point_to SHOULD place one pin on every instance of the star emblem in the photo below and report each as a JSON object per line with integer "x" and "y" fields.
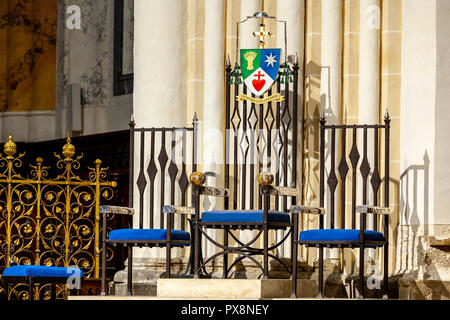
{"x": 270, "y": 60}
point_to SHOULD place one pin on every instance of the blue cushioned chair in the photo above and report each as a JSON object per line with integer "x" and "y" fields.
{"x": 32, "y": 274}
{"x": 167, "y": 238}
{"x": 333, "y": 236}
{"x": 258, "y": 138}
{"x": 260, "y": 220}
{"x": 346, "y": 235}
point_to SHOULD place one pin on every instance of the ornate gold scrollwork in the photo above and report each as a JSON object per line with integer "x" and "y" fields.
{"x": 53, "y": 222}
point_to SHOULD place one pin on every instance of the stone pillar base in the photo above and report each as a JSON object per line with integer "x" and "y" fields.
{"x": 351, "y": 283}
{"x": 139, "y": 289}
{"x": 145, "y": 273}
{"x": 409, "y": 289}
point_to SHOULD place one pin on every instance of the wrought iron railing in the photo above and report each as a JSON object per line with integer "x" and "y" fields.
{"x": 54, "y": 222}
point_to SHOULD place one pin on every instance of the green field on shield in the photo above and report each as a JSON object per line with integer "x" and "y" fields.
{"x": 244, "y": 62}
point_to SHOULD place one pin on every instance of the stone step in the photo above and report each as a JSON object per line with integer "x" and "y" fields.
{"x": 233, "y": 288}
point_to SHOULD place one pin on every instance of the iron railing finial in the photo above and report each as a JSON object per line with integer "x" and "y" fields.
{"x": 322, "y": 116}
{"x": 386, "y": 115}
{"x": 195, "y": 119}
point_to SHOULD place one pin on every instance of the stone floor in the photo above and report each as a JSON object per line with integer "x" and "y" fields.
{"x": 152, "y": 284}
{"x": 252, "y": 289}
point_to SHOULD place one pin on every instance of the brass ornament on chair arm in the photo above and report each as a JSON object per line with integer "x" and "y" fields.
{"x": 265, "y": 179}
{"x": 197, "y": 178}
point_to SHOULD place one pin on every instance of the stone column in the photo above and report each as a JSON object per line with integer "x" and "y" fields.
{"x": 330, "y": 84}
{"x": 331, "y": 73}
{"x": 442, "y": 115}
{"x": 160, "y": 60}
{"x": 160, "y": 57}
{"x": 248, "y": 41}
{"x": 213, "y": 123}
{"x": 292, "y": 11}
{"x": 369, "y": 78}
{"x": 369, "y": 61}
{"x": 160, "y": 84}
{"x": 159, "y": 77}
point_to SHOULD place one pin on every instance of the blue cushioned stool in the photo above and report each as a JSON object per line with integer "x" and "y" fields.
{"x": 248, "y": 216}
{"x": 32, "y": 274}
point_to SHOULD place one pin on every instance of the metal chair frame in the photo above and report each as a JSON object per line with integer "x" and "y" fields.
{"x": 363, "y": 210}
{"x": 180, "y": 185}
{"x": 129, "y": 244}
{"x": 244, "y": 250}
{"x": 245, "y": 124}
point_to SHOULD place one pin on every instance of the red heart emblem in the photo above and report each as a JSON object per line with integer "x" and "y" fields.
{"x": 258, "y": 84}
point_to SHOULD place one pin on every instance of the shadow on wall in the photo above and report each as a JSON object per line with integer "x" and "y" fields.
{"x": 409, "y": 212}
{"x": 311, "y": 133}
{"x": 417, "y": 256}
{"x": 311, "y": 148}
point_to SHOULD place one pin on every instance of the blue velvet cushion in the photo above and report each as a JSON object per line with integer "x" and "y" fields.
{"x": 41, "y": 271}
{"x": 339, "y": 235}
{"x": 244, "y": 216}
{"x": 147, "y": 234}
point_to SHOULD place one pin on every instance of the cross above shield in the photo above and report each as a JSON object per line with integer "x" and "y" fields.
{"x": 259, "y": 69}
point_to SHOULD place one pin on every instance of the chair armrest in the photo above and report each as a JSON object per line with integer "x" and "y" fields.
{"x": 105, "y": 210}
{"x": 198, "y": 179}
{"x": 373, "y": 210}
{"x": 179, "y": 210}
{"x": 210, "y": 191}
{"x": 280, "y": 191}
{"x": 116, "y": 210}
{"x": 307, "y": 210}
{"x": 214, "y": 191}
{"x": 266, "y": 179}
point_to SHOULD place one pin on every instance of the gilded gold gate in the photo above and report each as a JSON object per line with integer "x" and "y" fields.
{"x": 53, "y": 222}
